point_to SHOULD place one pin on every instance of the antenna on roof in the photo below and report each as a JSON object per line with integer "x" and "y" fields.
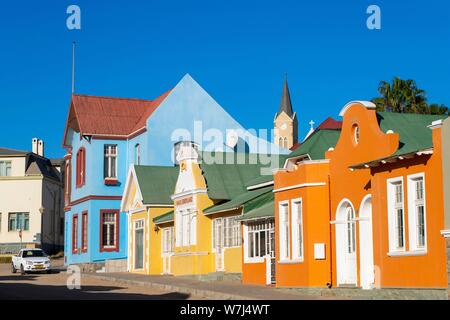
{"x": 73, "y": 67}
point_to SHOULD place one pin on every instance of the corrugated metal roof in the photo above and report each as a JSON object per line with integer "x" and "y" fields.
{"x": 238, "y": 201}
{"x": 157, "y": 183}
{"x": 412, "y": 128}
{"x": 97, "y": 115}
{"x": 317, "y": 144}
{"x": 260, "y": 207}
{"x": 166, "y": 217}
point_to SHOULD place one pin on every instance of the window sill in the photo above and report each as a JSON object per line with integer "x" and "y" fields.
{"x": 293, "y": 261}
{"x": 407, "y": 253}
{"x": 111, "y": 181}
{"x": 107, "y": 249}
{"x": 254, "y": 260}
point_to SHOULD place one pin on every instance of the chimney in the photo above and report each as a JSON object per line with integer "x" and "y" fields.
{"x": 34, "y": 145}
{"x": 40, "y": 148}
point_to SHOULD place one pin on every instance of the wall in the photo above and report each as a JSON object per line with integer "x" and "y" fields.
{"x": 446, "y": 169}
{"x": 316, "y": 228}
{"x": 20, "y": 194}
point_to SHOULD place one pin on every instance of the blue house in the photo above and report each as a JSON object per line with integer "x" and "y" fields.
{"x": 105, "y": 135}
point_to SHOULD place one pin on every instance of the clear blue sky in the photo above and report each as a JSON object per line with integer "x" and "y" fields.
{"x": 238, "y": 51}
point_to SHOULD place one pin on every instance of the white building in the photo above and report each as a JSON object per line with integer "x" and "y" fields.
{"x": 31, "y": 200}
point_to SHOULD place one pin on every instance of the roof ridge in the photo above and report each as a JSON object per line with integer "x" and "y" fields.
{"x": 110, "y": 97}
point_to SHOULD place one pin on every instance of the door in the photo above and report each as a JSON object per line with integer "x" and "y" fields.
{"x": 167, "y": 249}
{"x": 139, "y": 245}
{"x": 367, "y": 272}
{"x": 350, "y": 247}
{"x": 218, "y": 243}
{"x": 272, "y": 255}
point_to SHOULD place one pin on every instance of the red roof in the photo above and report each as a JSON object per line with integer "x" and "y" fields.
{"x": 108, "y": 116}
{"x": 330, "y": 124}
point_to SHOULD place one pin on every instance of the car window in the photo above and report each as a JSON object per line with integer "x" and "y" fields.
{"x": 33, "y": 253}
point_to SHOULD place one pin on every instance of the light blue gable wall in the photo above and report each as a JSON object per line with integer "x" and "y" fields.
{"x": 187, "y": 103}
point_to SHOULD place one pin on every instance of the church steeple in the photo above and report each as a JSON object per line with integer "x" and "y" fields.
{"x": 285, "y": 104}
{"x": 285, "y": 122}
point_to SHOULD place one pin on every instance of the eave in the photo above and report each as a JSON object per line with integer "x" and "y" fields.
{"x": 391, "y": 159}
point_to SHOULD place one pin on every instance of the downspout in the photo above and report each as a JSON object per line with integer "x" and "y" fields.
{"x": 330, "y": 282}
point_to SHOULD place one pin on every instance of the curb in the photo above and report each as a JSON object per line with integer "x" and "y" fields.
{"x": 181, "y": 289}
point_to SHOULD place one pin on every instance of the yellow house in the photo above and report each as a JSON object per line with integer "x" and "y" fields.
{"x": 183, "y": 220}
{"x": 146, "y": 196}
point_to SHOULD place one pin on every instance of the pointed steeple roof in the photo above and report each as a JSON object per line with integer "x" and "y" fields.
{"x": 285, "y": 104}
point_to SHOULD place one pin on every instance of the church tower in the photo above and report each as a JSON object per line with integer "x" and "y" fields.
{"x": 285, "y": 122}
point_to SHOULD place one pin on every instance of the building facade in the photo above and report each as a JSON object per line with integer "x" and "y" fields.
{"x": 379, "y": 221}
{"x": 104, "y": 136}
{"x": 31, "y": 200}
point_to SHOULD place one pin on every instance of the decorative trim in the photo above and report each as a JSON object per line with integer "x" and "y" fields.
{"x": 436, "y": 124}
{"x": 111, "y": 181}
{"x": 94, "y": 197}
{"x": 407, "y": 253}
{"x": 367, "y": 104}
{"x": 302, "y": 185}
{"x": 261, "y": 185}
{"x": 188, "y": 193}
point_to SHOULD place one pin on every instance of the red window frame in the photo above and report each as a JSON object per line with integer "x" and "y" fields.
{"x": 84, "y": 231}
{"x": 116, "y": 247}
{"x": 75, "y": 234}
{"x": 81, "y": 167}
{"x": 68, "y": 182}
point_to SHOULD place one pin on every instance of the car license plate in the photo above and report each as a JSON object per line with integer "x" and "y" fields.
{"x": 39, "y": 267}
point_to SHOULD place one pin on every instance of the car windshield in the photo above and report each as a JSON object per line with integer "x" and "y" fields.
{"x": 33, "y": 253}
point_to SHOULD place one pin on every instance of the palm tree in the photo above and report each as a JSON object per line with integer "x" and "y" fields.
{"x": 404, "y": 96}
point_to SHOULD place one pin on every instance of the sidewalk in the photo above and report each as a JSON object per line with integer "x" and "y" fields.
{"x": 221, "y": 290}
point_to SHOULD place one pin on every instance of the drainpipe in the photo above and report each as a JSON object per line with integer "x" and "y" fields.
{"x": 330, "y": 282}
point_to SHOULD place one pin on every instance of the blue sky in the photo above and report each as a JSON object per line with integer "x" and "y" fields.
{"x": 238, "y": 51}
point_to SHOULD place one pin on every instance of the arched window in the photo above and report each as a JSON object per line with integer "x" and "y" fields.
{"x": 81, "y": 167}
{"x": 137, "y": 154}
{"x": 280, "y": 142}
{"x": 351, "y": 230}
{"x": 285, "y": 144}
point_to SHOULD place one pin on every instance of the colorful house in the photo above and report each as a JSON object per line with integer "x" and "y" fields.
{"x": 368, "y": 214}
{"x": 201, "y": 235}
{"x": 105, "y": 135}
{"x": 304, "y": 189}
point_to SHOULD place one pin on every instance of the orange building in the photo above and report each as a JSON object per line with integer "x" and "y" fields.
{"x": 368, "y": 214}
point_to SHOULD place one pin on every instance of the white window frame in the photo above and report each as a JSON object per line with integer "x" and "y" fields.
{"x": 108, "y": 155}
{"x": 186, "y": 227}
{"x": 7, "y": 164}
{"x": 297, "y": 234}
{"x": 268, "y": 227}
{"x": 412, "y": 214}
{"x": 231, "y": 226}
{"x": 284, "y": 235}
{"x": 108, "y": 230}
{"x": 392, "y": 224}
{"x": 167, "y": 245}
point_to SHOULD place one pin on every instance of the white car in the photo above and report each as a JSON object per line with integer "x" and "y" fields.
{"x": 30, "y": 260}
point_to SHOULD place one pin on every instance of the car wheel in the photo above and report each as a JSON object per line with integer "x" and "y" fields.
{"x": 22, "y": 270}
{"x": 13, "y": 269}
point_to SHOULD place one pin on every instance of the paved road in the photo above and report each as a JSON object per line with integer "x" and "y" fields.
{"x": 53, "y": 286}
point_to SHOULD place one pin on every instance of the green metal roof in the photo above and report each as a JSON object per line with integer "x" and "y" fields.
{"x": 412, "y": 128}
{"x": 238, "y": 201}
{"x": 260, "y": 180}
{"x": 166, "y": 217}
{"x": 260, "y": 207}
{"x": 157, "y": 183}
{"x": 317, "y": 144}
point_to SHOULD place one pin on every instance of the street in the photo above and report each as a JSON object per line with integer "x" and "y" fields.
{"x": 53, "y": 286}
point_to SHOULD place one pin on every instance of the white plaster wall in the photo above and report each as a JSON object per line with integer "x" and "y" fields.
{"x": 20, "y": 195}
{"x": 17, "y": 166}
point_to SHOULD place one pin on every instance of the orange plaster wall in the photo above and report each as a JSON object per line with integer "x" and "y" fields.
{"x": 427, "y": 271}
{"x": 316, "y": 228}
{"x": 254, "y": 273}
